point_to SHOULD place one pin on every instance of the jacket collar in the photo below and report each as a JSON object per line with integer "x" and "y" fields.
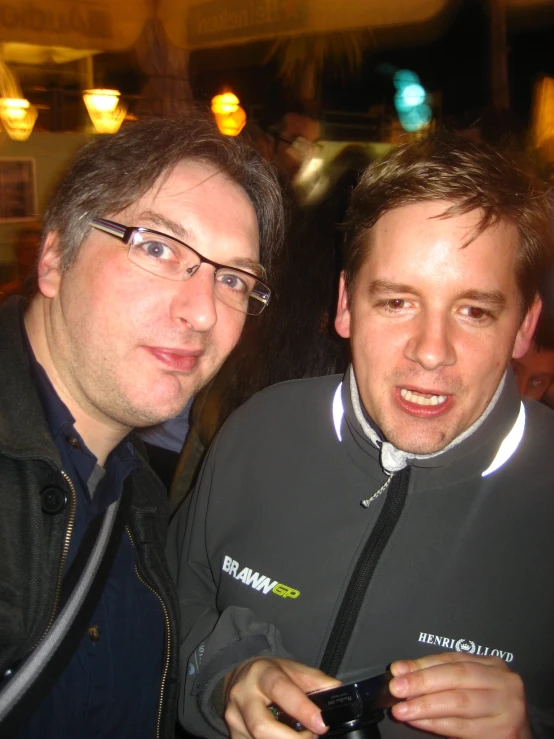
{"x": 490, "y": 443}
{"x": 23, "y": 429}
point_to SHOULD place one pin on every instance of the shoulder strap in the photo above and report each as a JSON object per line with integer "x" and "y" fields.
{"x": 22, "y": 693}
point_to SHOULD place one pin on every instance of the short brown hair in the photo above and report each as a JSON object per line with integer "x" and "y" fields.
{"x": 114, "y": 172}
{"x": 447, "y": 166}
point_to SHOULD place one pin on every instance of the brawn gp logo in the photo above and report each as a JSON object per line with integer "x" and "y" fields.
{"x": 262, "y": 583}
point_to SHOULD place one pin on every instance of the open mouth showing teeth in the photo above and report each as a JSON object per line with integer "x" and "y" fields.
{"x": 420, "y": 399}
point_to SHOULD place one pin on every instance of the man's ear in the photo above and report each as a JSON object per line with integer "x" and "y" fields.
{"x": 527, "y": 329}
{"x": 342, "y": 320}
{"x": 49, "y": 270}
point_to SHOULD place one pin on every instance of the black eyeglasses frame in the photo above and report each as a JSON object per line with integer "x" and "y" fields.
{"x": 125, "y": 234}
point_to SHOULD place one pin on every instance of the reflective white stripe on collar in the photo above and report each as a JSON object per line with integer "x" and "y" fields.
{"x": 338, "y": 410}
{"x": 509, "y": 445}
{"x": 505, "y": 451}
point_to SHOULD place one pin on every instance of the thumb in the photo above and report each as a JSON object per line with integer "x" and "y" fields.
{"x": 308, "y": 678}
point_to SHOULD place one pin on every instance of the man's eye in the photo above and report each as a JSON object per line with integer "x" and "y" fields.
{"x": 158, "y": 250}
{"x": 475, "y": 313}
{"x": 395, "y": 304}
{"x": 233, "y": 281}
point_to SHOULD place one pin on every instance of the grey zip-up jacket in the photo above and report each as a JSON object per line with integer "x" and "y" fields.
{"x": 37, "y": 504}
{"x": 279, "y": 557}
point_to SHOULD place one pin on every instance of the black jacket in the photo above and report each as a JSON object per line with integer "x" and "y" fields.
{"x": 37, "y": 503}
{"x": 458, "y": 560}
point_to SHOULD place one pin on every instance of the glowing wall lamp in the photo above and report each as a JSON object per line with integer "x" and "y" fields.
{"x": 228, "y": 114}
{"x": 105, "y": 110}
{"x": 18, "y": 117}
{"x": 543, "y": 112}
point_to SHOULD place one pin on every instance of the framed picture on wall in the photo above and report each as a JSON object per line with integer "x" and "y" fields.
{"x": 18, "y": 192}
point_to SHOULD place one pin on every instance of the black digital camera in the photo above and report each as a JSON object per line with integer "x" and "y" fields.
{"x": 349, "y": 709}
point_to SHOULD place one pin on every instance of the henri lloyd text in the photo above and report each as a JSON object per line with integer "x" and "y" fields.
{"x": 464, "y": 645}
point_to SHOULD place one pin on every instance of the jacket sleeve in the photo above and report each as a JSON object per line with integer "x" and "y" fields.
{"x": 213, "y": 642}
{"x": 542, "y": 722}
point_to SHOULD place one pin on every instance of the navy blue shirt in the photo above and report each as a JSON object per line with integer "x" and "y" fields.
{"x": 111, "y": 686}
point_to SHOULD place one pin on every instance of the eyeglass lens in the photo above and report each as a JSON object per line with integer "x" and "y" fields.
{"x": 163, "y": 256}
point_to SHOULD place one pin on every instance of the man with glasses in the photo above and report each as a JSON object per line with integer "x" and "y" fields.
{"x": 156, "y": 247}
{"x": 401, "y": 513}
{"x": 292, "y": 141}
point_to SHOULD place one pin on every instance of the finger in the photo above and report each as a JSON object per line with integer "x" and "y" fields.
{"x": 235, "y": 724}
{"x": 466, "y": 704}
{"x": 254, "y": 721}
{"x": 501, "y": 708}
{"x": 288, "y": 687}
{"x": 308, "y": 678}
{"x": 401, "y": 667}
{"x": 262, "y": 682}
{"x": 247, "y": 714}
{"x": 293, "y": 699}
{"x": 454, "y": 676}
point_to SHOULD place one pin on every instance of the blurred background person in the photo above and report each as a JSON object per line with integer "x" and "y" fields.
{"x": 267, "y": 354}
{"x": 535, "y": 370}
{"x": 288, "y": 140}
{"x": 292, "y": 139}
{"x": 296, "y": 337}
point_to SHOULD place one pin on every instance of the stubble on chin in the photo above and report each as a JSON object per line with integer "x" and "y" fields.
{"x": 420, "y": 442}
{"x": 417, "y": 435}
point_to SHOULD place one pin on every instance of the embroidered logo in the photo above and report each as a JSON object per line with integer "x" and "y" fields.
{"x": 465, "y": 646}
{"x": 261, "y": 583}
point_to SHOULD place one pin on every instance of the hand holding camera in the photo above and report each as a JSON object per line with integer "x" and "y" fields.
{"x": 352, "y": 708}
{"x": 424, "y": 693}
{"x": 253, "y": 685}
{"x": 462, "y": 696}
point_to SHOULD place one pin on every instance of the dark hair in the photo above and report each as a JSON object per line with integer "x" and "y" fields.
{"x": 113, "y": 172}
{"x": 447, "y": 166}
{"x": 544, "y": 333}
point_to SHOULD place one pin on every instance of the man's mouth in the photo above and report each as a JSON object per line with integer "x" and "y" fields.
{"x": 422, "y": 398}
{"x": 423, "y": 403}
{"x": 178, "y": 360}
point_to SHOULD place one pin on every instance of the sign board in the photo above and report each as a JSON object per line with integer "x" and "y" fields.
{"x": 115, "y": 25}
{"x": 198, "y": 24}
{"x": 79, "y": 24}
{"x": 227, "y": 20}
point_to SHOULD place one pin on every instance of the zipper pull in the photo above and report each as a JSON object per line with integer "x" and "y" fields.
{"x": 368, "y": 501}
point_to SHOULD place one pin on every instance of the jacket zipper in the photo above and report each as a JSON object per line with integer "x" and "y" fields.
{"x": 363, "y": 572}
{"x": 167, "y": 626}
{"x": 65, "y": 551}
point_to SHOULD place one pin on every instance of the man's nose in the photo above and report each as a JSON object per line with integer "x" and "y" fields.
{"x": 194, "y": 300}
{"x": 430, "y": 344}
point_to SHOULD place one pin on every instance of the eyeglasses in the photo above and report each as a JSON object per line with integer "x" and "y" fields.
{"x": 172, "y": 259}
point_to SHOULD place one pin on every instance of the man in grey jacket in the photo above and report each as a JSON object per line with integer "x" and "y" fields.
{"x": 154, "y": 251}
{"x": 401, "y": 514}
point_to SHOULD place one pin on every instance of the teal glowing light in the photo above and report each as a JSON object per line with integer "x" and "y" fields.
{"x": 413, "y": 111}
{"x": 413, "y": 95}
{"x": 404, "y": 77}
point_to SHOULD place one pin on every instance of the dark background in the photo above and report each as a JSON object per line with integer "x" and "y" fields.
{"x": 455, "y": 63}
